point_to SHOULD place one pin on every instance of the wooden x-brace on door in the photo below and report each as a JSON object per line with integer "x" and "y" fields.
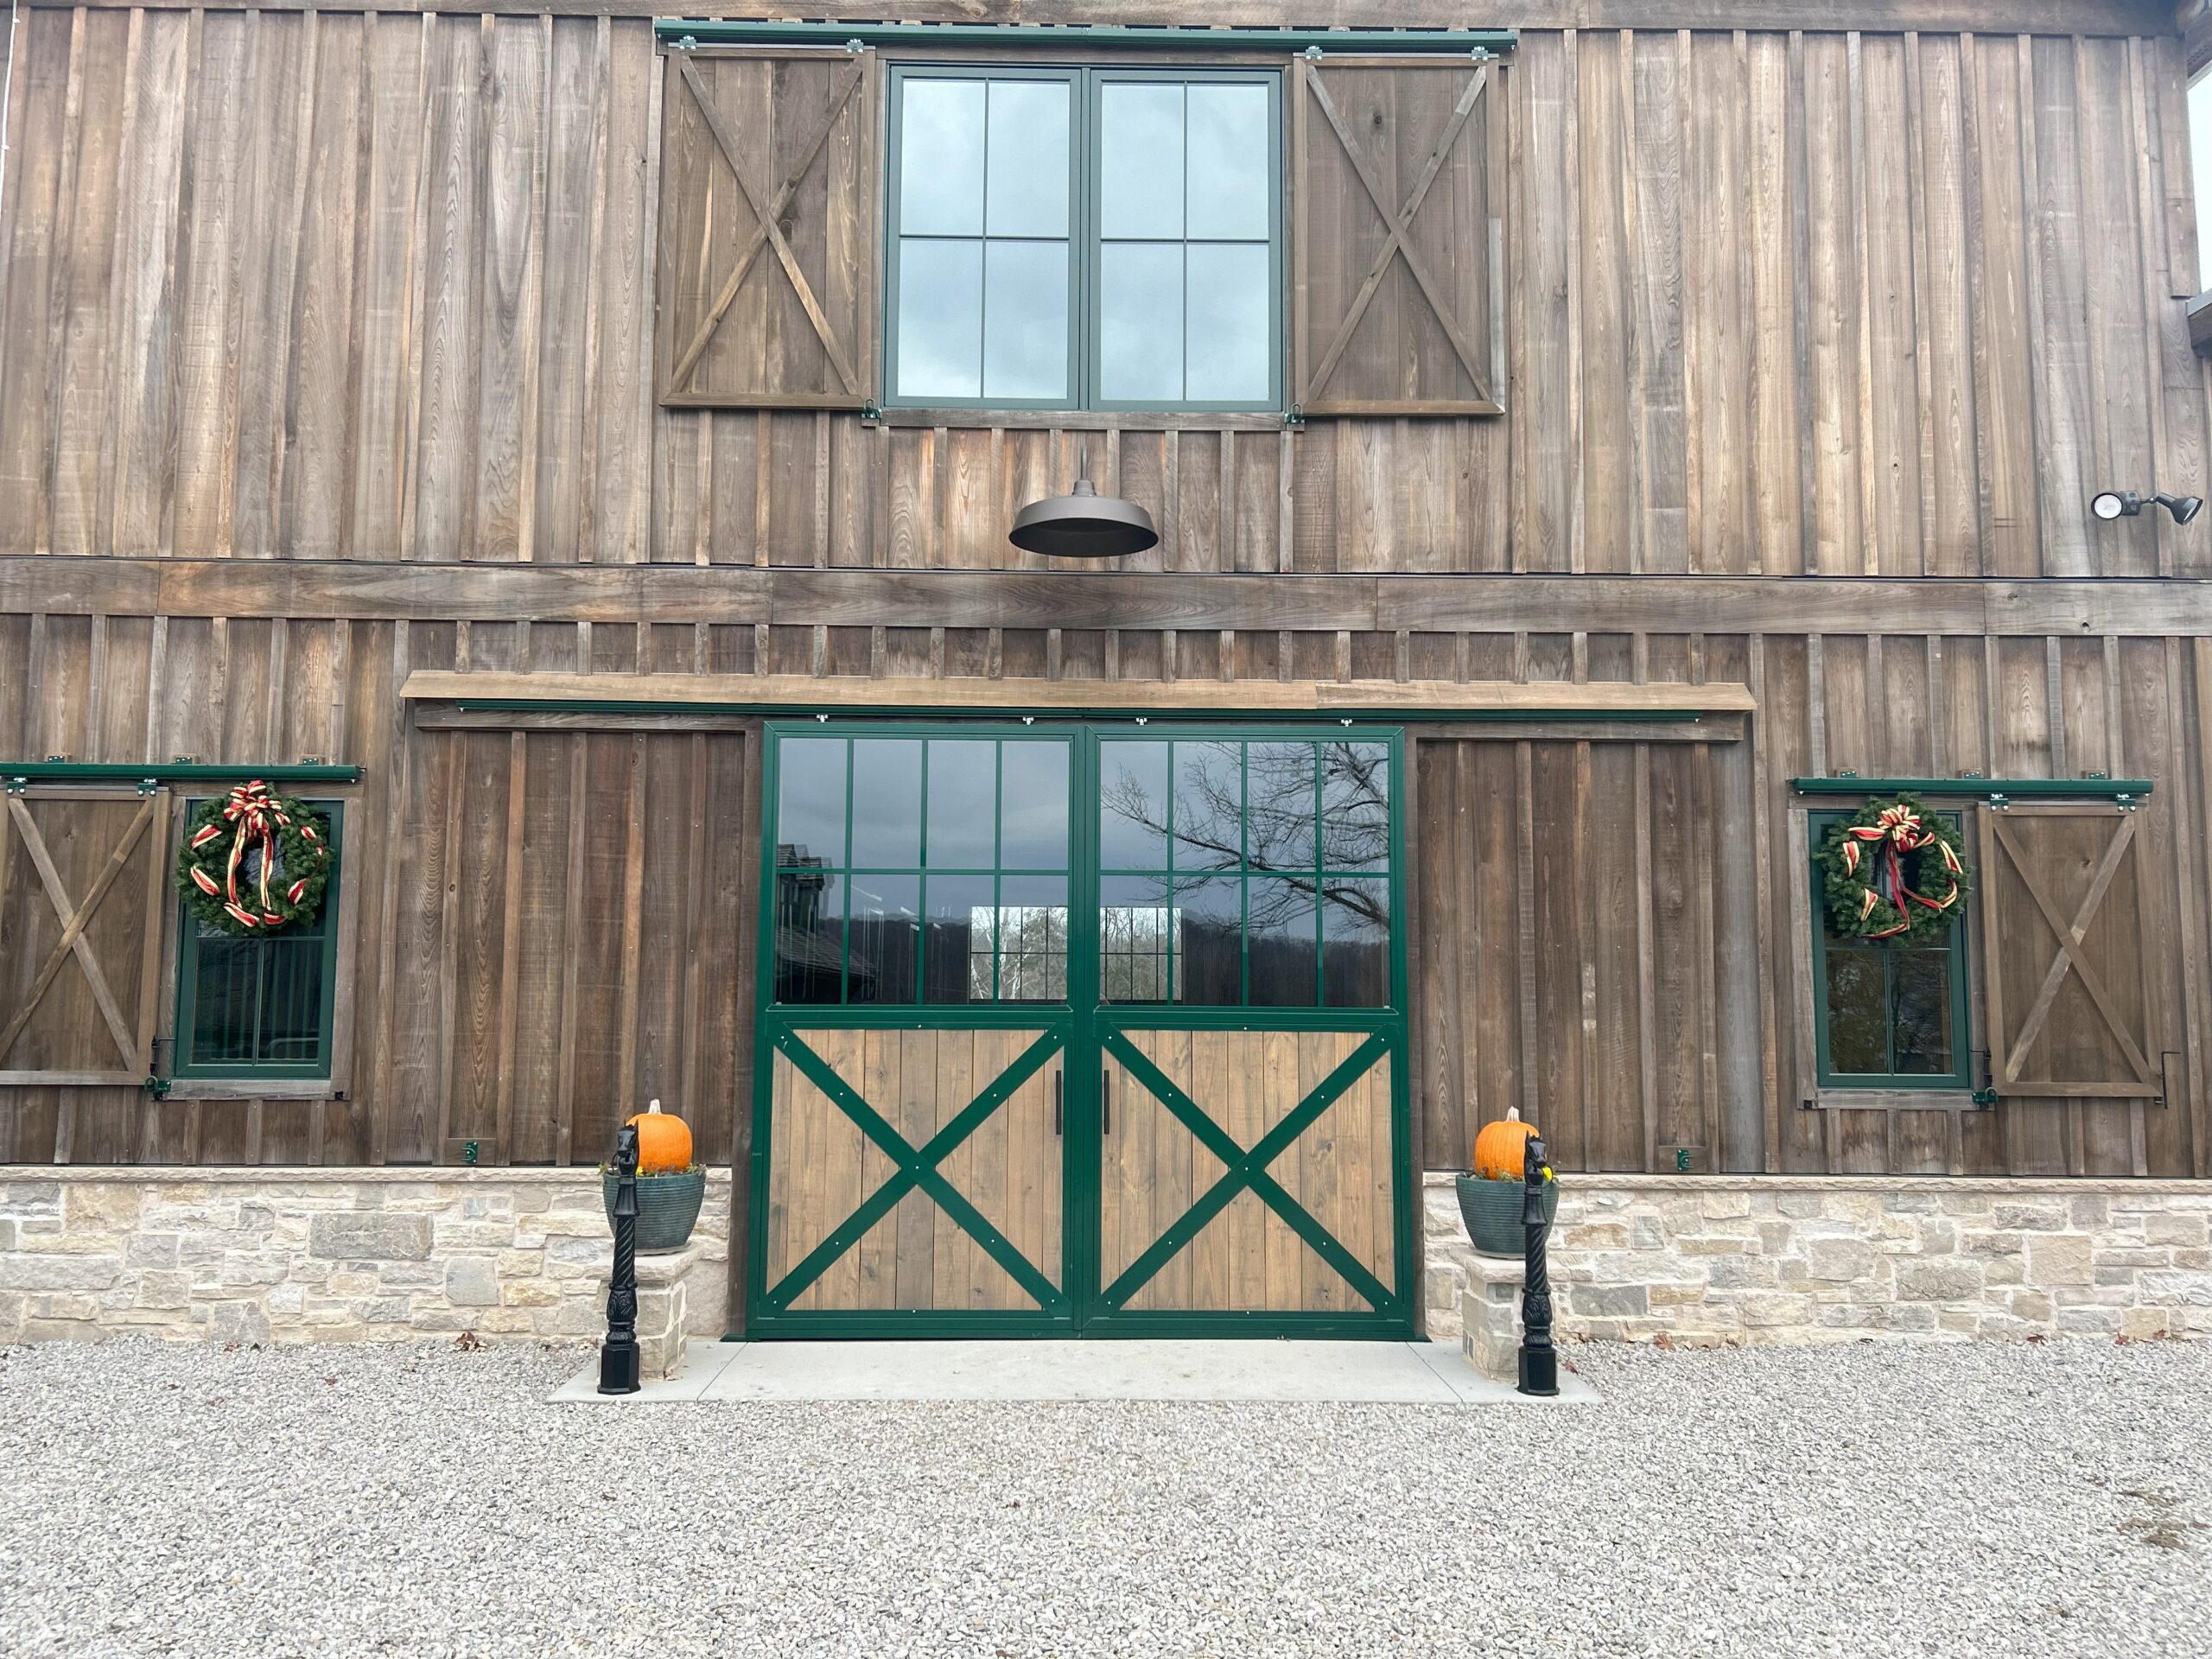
{"x": 2071, "y": 1008}
{"x": 86, "y": 1014}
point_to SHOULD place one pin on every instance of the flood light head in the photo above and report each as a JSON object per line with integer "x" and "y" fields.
{"x": 2183, "y": 507}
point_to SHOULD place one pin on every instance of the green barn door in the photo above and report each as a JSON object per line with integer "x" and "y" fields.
{"x": 1251, "y": 1031}
{"x": 1064, "y": 1029}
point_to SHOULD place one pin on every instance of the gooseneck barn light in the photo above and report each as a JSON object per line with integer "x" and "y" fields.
{"x": 1085, "y": 524}
{"x": 2125, "y": 504}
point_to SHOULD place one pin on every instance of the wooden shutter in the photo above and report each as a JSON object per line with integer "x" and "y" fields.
{"x": 1393, "y": 247}
{"x": 766, "y": 286}
{"x": 2069, "y": 997}
{"x": 82, "y": 899}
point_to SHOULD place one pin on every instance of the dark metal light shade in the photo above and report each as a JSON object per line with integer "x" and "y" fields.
{"x": 1084, "y": 526}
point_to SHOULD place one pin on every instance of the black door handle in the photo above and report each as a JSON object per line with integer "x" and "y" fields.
{"x": 1059, "y": 1104}
{"x": 1105, "y": 1102}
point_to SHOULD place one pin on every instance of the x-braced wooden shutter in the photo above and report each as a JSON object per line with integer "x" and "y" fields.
{"x": 2070, "y": 1001}
{"x": 765, "y": 291}
{"x": 1395, "y": 260}
{"x": 82, "y": 898}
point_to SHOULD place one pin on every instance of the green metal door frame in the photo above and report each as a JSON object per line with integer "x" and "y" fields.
{"x": 1081, "y": 1031}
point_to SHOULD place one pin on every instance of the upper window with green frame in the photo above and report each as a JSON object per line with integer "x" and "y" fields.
{"x": 921, "y": 870}
{"x": 1245, "y": 872}
{"x": 261, "y": 1008}
{"x": 1887, "y": 1014}
{"x": 1084, "y": 239}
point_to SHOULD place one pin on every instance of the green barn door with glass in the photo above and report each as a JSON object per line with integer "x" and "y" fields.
{"x": 1081, "y": 1027}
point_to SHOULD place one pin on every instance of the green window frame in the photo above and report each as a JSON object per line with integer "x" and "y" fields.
{"x": 889, "y": 881}
{"x": 1904, "y": 975}
{"x": 1099, "y": 254}
{"x": 260, "y": 979}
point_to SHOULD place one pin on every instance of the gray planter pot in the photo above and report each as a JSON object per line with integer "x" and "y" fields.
{"x": 668, "y": 1207}
{"x": 1492, "y": 1212}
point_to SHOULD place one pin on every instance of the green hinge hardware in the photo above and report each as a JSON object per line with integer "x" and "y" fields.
{"x": 1682, "y": 1160}
{"x": 471, "y": 1152}
{"x": 1294, "y": 416}
{"x": 157, "y": 1087}
{"x": 871, "y": 410}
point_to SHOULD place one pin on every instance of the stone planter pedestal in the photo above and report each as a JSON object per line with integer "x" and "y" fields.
{"x": 1491, "y": 1308}
{"x": 661, "y": 1307}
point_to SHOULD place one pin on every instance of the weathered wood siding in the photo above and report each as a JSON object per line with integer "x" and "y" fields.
{"x": 380, "y": 287}
{"x": 1589, "y": 914}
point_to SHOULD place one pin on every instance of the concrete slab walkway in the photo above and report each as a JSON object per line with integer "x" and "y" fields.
{"x": 1405, "y": 1373}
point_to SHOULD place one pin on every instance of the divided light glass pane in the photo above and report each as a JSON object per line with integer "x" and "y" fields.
{"x": 956, "y": 938}
{"x": 810, "y": 801}
{"x": 1230, "y": 182}
{"x": 940, "y": 319}
{"x": 886, "y": 937}
{"x": 886, "y": 803}
{"x": 1921, "y": 1022}
{"x": 291, "y": 999}
{"x": 1032, "y": 935}
{"x": 1278, "y": 808}
{"x": 1355, "y": 943}
{"x": 1133, "y": 805}
{"x": 1226, "y": 329}
{"x": 1140, "y": 159}
{"x": 941, "y": 157}
{"x": 1027, "y": 162}
{"x": 1355, "y": 806}
{"x": 1280, "y": 943}
{"x": 1033, "y": 812}
{"x": 1209, "y": 804}
{"x": 809, "y": 936}
{"x": 963, "y": 797}
{"x": 1208, "y": 942}
{"x": 1858, "y": 1014}
{"x": 1026, "y": 320}
{"x": 1141, "y": 323}
{"x": 1134, "y": 924}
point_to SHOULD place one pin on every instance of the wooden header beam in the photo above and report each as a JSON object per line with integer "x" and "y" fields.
{"x": 800, "y": 694}
{"x": 1930, "y": 17}
{"x": 375, "y": 590}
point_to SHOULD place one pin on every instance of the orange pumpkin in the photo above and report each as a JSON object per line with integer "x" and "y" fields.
{"x": 1500, "y": 1149}
{"x": 663, "y": 1142}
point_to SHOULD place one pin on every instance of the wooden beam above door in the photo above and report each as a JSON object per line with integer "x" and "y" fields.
{"x": 806, "y": 693}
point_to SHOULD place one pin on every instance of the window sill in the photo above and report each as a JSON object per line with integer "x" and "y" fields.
{"x": 1894, "y": 1100}
{"x": 1093, "y": 420}
{"x": 252, "y": 1089}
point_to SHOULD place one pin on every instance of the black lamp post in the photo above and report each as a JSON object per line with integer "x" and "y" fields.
{"x": 617, "y": 1356}
{"x": 1539, "y": 1359}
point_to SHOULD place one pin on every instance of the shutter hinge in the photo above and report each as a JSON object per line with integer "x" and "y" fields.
{"x": 871, "y": 410}
{"x": 1294, "y": 416}
{"x": 157, "y": 1087}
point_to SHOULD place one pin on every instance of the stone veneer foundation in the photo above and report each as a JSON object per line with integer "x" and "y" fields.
{"x": 297, "y": 1256}
{"x": 1711, "y": 1259}
{"x": 292, "y": 1256}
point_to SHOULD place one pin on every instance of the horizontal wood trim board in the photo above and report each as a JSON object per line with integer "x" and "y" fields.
{"x": 454, "y": 591}
{"x": 2020, "y": 16}
{"x": 1136, "y": 696}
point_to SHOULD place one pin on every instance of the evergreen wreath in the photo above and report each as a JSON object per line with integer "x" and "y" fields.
{"x": 254, "y": 862}
{"x": 1896, "y": 871}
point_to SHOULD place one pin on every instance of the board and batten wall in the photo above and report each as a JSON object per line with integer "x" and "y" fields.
{"x": 379, "y": 286}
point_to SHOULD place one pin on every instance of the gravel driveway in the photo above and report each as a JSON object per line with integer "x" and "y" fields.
{"x": 1874, "y": 1500}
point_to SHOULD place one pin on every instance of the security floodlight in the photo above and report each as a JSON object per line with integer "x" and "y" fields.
{"x": 2125, "y": 504}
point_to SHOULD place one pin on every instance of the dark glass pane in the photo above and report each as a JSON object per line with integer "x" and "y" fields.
{"x": 1279, "y": 819}
{"x": 1208, "y": 942}
{"x": 224, "y": 997}
{"x": 1033, "y": 807}
{"x": 886, "y": 803}
{"x": 1279, "y": 943}
{"x": 1356, "y": 943}
{"x": 1859, "y": 1015}
{"x": 1921, "y": 983}
{"x": 963, "y": 796}
{"x": 1132, "y": 917}
{"x": 809, "y": 935}
{"x": 810, "y": 801}
{"x": 291, "y": 999}
{"x": 1133, "y": 806}
{"x": 1034, "y": 939}
{"x": 886, "y": 938}
{"x": 1355, "y": 806}
{"x": 1209, "y": 804}
{"x": 956, "y": 942}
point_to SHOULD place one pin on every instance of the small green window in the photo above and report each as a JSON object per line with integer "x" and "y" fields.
{"x": 1085, "y": 239}
{"x": 260, "y": 1008}
{"x": 1887, "y": 1014}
